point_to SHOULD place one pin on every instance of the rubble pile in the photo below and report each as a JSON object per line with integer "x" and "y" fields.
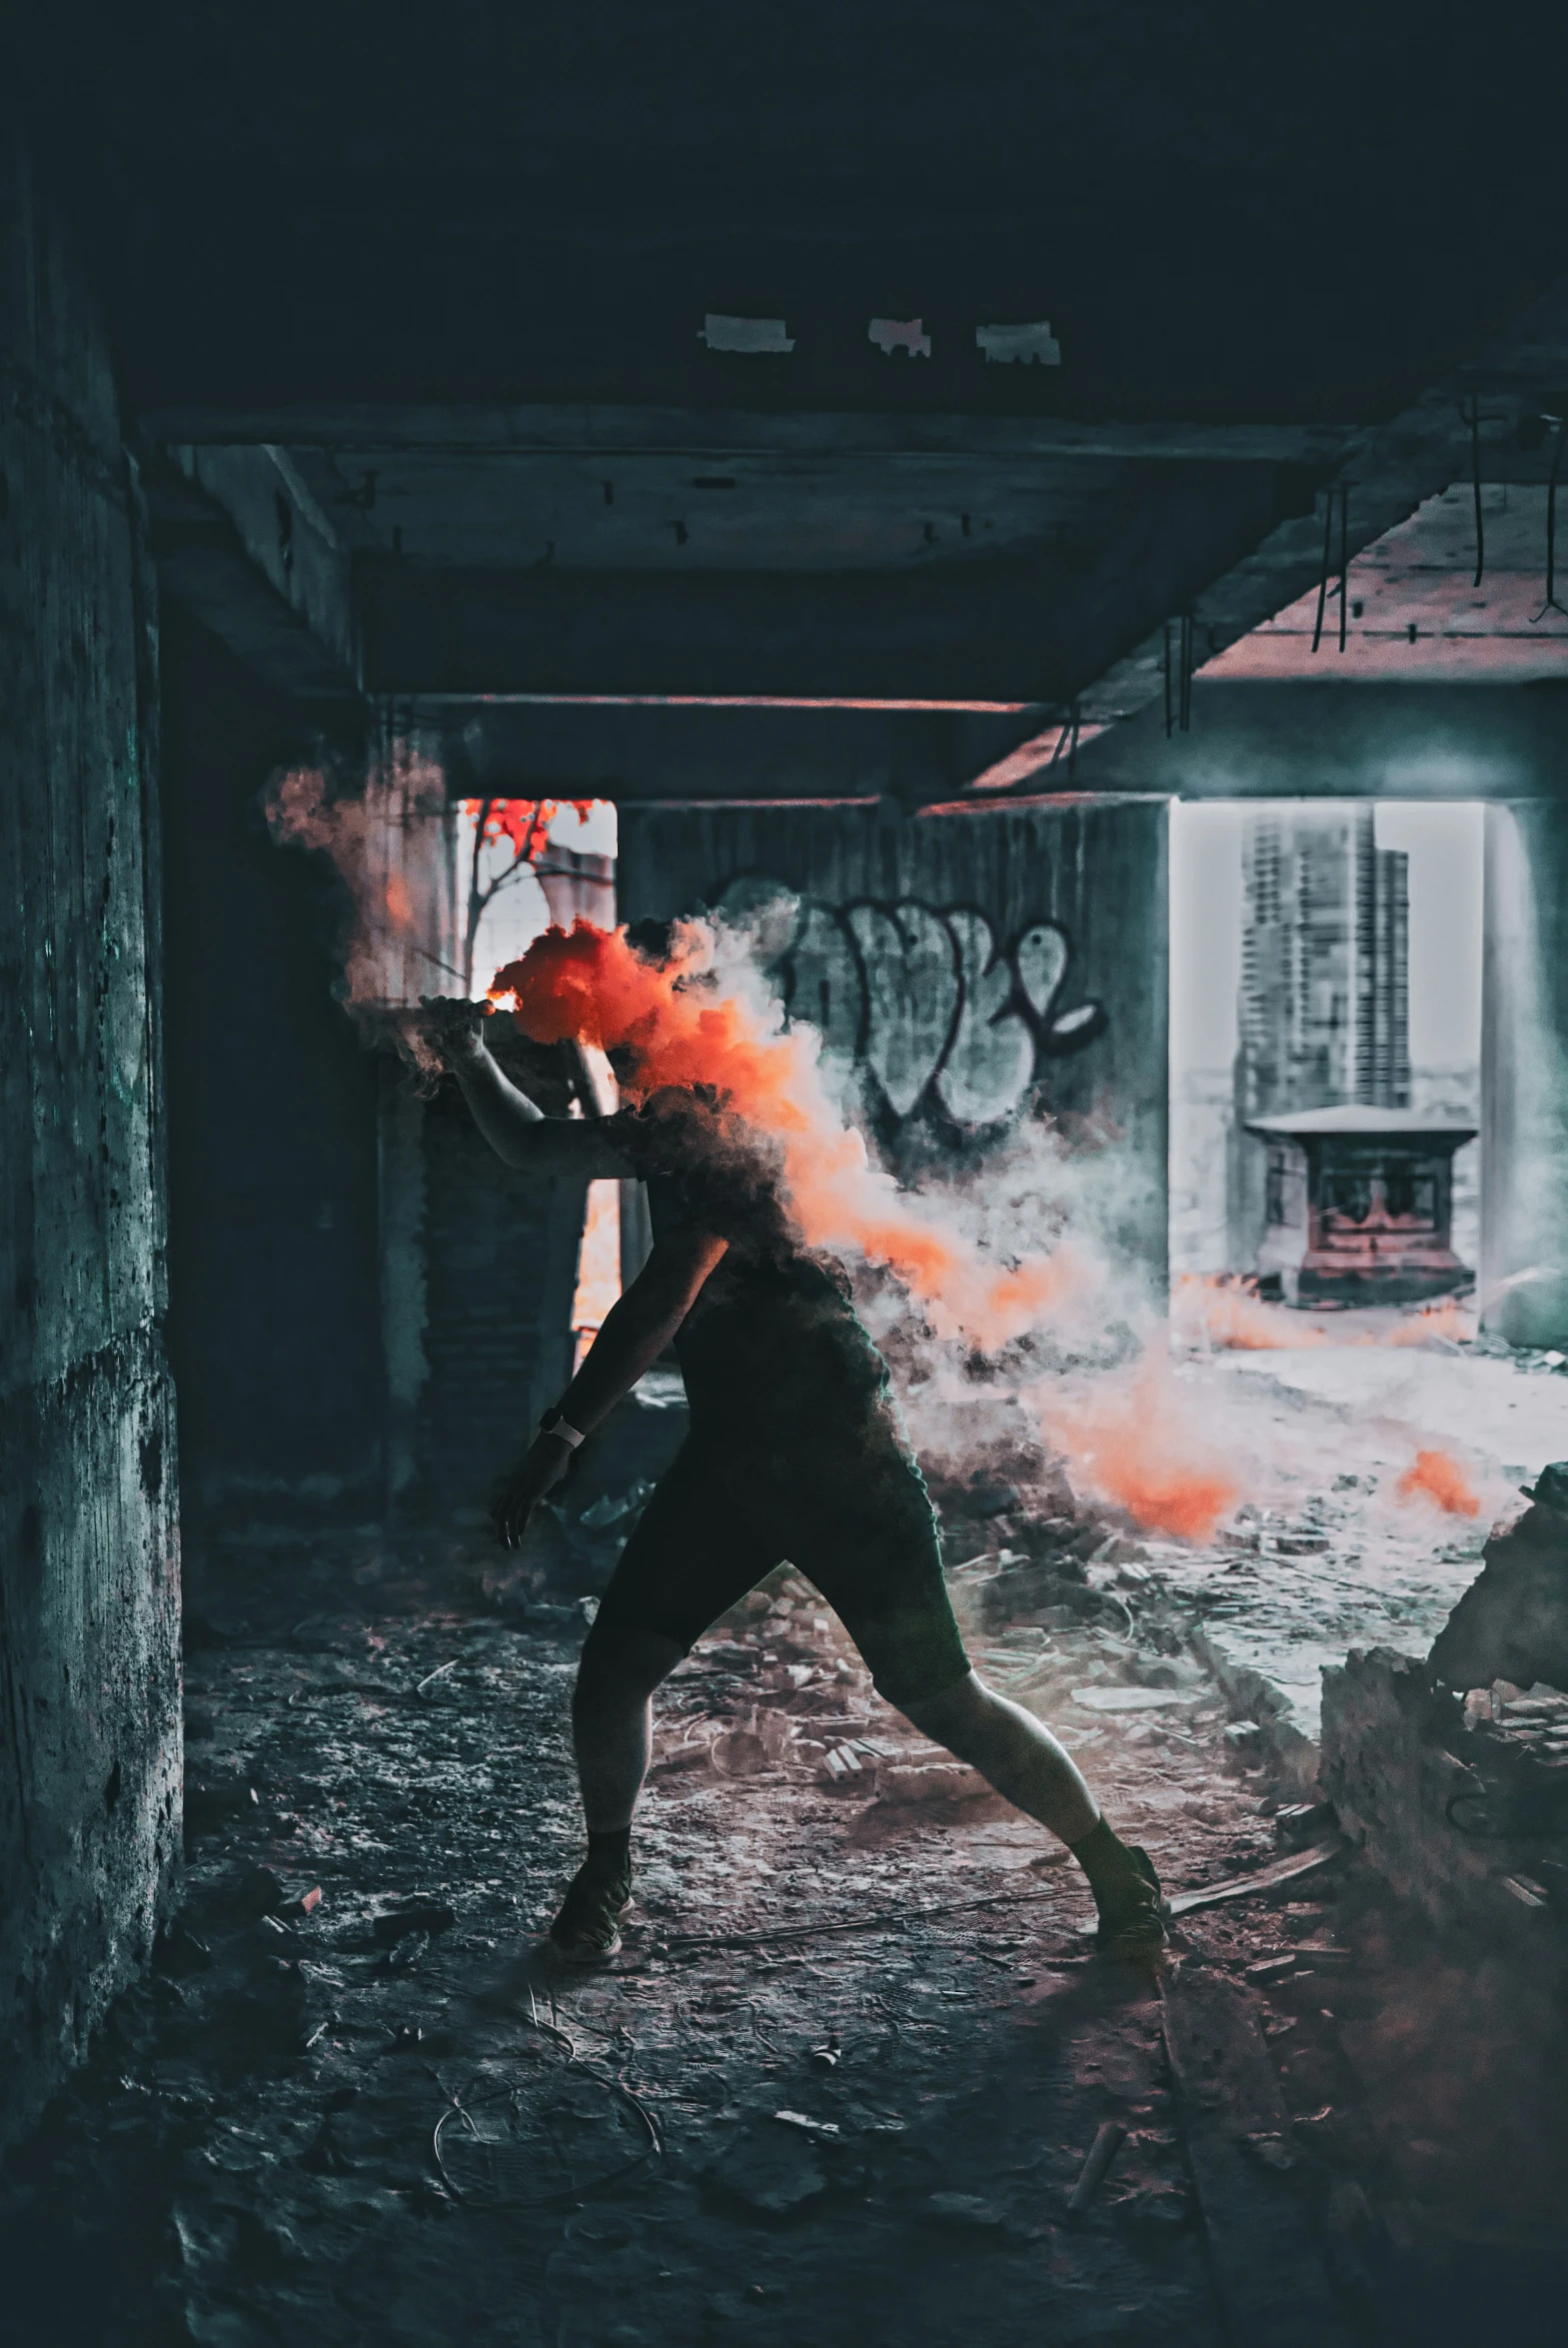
{"x": 1453, "y": 1773}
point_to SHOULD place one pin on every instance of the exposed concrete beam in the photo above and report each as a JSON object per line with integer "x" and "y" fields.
{"x": 1022, "y": 629}
{"x": 1389, "y": 472}
{"x": 1289, "y": 740}
{"x": 597, "y": 431}
{"x": 285, "y": 532}
{"x": 669, "y": 749}
{"x": 244, "y": 545}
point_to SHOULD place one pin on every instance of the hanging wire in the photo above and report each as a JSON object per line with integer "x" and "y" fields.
{"x": 1475, "y": 487}
{"x": 1168, "y": 720}
{"x": 1185, "y": 704}
{"x": 461, "y": 2108}
{"x": 1073, "y": 746}
{"x": 1322, "y": 583}
{"x": 1551, "y": 604}
{"x": 1344, "y": 557}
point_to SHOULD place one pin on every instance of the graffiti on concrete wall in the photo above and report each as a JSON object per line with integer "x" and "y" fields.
{"x": 923, "y": 999}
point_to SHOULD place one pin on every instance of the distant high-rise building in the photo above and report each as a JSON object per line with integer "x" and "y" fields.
{"x": 1324, "y": 997}
{"x": 1324, "y": 1011}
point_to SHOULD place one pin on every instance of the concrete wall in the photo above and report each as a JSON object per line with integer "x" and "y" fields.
{"x": 274, "y": 1325}
{"x": 1283, "y": 740}
{"x": 89, "y": 1572}
{"x": 972, "y": 968}
{"x": 1524, "y": 1075}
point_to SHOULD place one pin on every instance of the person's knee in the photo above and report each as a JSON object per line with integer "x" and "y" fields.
{"x": 617, "y": 1663}
{"x": 955, "y": 1715}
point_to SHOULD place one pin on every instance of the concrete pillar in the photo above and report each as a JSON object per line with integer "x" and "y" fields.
{"x": 89, "y": 1573}
{"x": 1524, "y": 1082}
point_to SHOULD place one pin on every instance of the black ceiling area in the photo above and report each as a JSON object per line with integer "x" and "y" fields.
{"x": 492, "y": 360}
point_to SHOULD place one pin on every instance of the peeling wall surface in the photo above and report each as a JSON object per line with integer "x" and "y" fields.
{"x": 89, "y": 1655}
{"x": 968, "y": 967}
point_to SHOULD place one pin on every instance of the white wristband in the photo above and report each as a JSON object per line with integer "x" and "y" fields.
{"x": 568, "y": 1434}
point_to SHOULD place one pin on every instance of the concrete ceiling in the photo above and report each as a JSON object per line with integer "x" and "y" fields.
{"x": 410, "y": 312}
{"x": 327, "y": 202}
{"x": 720, "y": 508}
{"x": 1416, "y": 612}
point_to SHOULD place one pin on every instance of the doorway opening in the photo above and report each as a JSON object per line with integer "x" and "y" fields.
{"x": 1325, "y": 1064}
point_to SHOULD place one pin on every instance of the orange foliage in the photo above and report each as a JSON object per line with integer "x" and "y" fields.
{"x": 1440, "y": 1478}
{"x": 523, "y": 821}
{"x": 675, "y": 1026}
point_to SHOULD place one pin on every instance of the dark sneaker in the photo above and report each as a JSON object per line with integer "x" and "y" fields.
{"x": 1133, "y": 1921}
{"x": 588, "y": 1930}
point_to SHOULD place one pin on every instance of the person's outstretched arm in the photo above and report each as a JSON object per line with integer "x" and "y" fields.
{"x": 516, "y": 1128}
{"x": 637, "y": 1329}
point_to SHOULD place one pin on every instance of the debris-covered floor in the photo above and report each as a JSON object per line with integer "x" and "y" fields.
{"x": 844, "y": 2077}
{"x": 1333, "y": 1549}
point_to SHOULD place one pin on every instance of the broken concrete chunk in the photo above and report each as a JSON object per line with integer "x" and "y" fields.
{"x": 1512, "y": 1622}
{"x": 1117, "y": 1550}
{"x": 418, "y": 1915}
{"x": 1109, "y": 2137}
{"x": 1299, "y": 1822}
{"x": 1130, "y": 1699}
{"x": 740, "y": 1752}
{"x": 966, "y": 2209}
{"x": 1271, "y": 1969}
{"x": 255, "y": 1893}
{"x": 933, "y": 1781}
{"x": 772, "y": 2170}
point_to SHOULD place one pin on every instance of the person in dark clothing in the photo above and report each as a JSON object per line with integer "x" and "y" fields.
{"x": 796, "y": 1453}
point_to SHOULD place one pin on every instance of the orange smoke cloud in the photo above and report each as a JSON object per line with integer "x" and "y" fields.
{"x": 1443, "y": 1320}
{"x": 1440, "y": 1478}
{"x": 1225, "y": 1309}
{"x": 1135, "y": 1443}
{"x": 675, "y": 1026}
{"x": 371, "y": 839}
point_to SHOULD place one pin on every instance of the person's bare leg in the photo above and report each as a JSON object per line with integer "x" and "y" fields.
{"x": 612, "y": 1731}
{"x": 1012, "y": 1752}
{"x": 1018, "y": 1755}
{"x": 612, "y": 1723}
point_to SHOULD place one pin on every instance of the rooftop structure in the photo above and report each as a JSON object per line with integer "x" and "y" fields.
{"x": 1358, "y": 1206}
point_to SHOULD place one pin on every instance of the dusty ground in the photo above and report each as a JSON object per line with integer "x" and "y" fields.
{"x": 369, "y": 2116}
{"x": 1326, "y": 1551}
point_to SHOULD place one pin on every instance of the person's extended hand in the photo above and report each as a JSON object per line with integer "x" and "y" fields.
{"x": 524, "y": 1485}
{"x": 453, "y": 1027}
